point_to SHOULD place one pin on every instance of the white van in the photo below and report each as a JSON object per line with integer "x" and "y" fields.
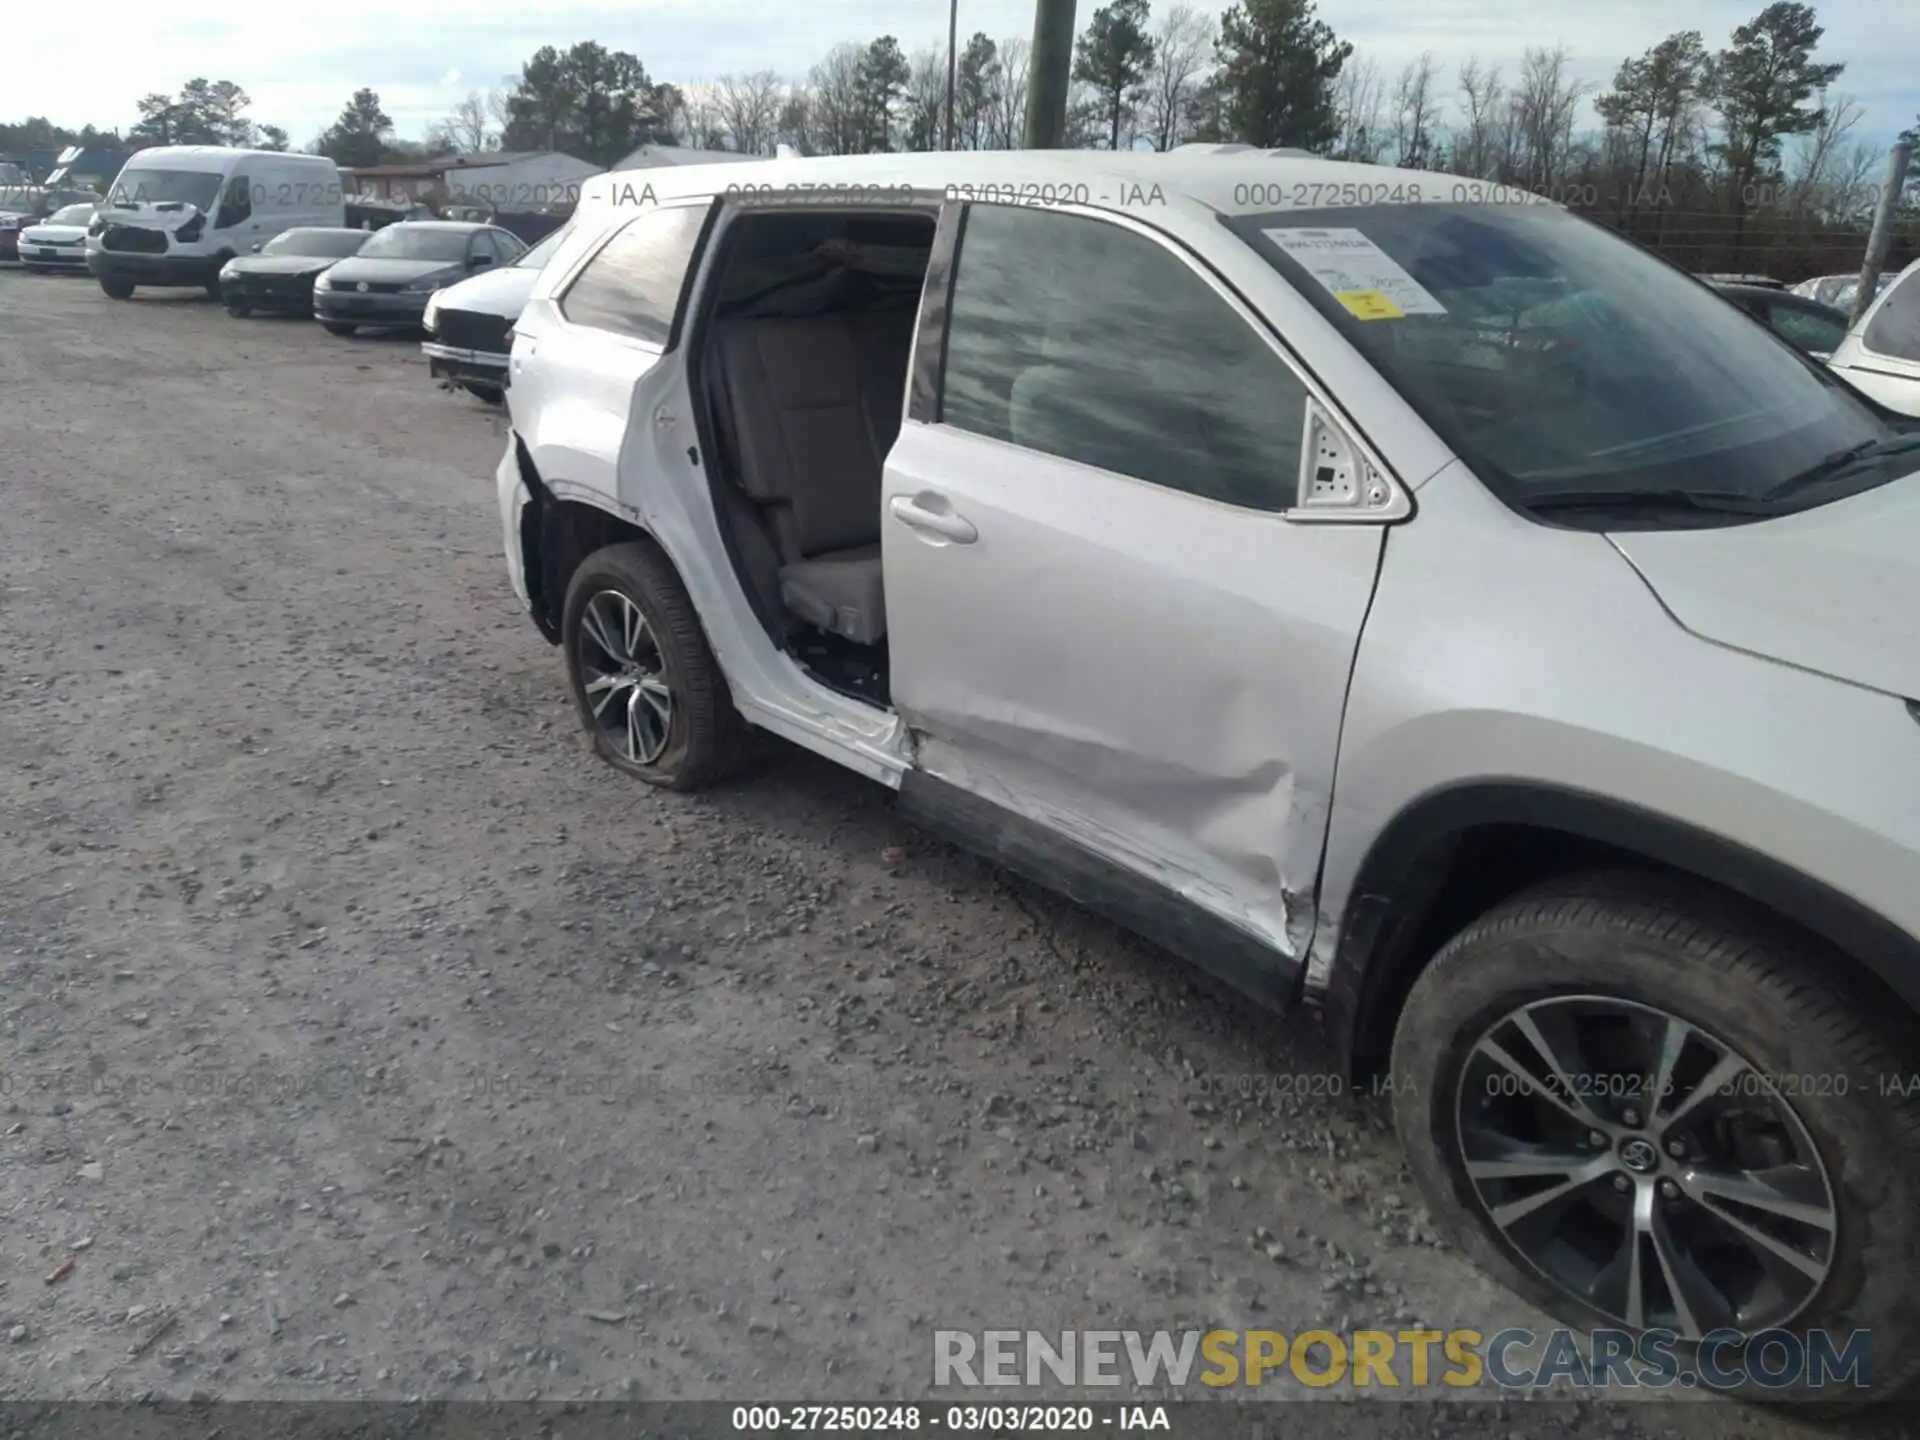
{"x": 177, "y": 213}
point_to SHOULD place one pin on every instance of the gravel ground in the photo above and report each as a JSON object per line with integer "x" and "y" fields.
{"x": 364, "y": 1037}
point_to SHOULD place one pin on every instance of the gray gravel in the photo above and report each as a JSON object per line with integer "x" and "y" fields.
{"x": 364, "y": 1037}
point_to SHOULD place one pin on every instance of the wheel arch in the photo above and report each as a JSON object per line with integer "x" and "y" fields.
{"x": 556, "y": 534}
{"x": 1451, "y": 855}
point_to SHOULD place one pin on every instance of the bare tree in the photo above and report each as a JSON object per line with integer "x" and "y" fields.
{"x": 1853, "y": 183}
{"x": 1007, "y": 109}
{"x": 1183, "y": 45}
{"x": 1543, "y": 110}
{"x": 840, "y": 113}
{"x": 1818, "y": 150}
{"x": 924, "y": 115}
{"x": 499, "y": 103}
{"x": 748, "y": 109}
{"x": 702, "y": 120}
{"x": 795, "y": 126}
{"x": 1416, "y": 113}
{"x": 469, "y": 126}
{"x": 1359, "y": 99}
{"x": 1475, "y": 139}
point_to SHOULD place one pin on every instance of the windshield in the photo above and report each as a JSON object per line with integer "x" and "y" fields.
{"x": 71, "y": 215}
{"x": 1553, "y": 356}
{"x": 538, "y": 256}
{"x": 153, "y": 187}
{"x": 334, "y": 243}
{"x": 416, "y": 242}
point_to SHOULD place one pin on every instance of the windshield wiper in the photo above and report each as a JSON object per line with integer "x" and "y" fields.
{"x": 1840, "y": 462}
{"x": 1718, "y": 501}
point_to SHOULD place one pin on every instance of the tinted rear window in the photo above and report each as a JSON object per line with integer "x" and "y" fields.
{"x": 632, "y": 285}
{"x": 1895, "y": 327}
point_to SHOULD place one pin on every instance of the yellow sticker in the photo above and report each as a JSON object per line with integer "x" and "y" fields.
{"x": 1369, "y": 305}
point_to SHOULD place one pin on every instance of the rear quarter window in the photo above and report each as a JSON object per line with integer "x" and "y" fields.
{"x": 1895, "y": 328}
{"x": 633, "y": 283}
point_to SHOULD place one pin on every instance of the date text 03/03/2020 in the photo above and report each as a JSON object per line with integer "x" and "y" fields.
{"x": 964, "y": 1419}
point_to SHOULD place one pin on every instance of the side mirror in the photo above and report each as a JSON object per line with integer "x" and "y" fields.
{"x": 479, "y": 262}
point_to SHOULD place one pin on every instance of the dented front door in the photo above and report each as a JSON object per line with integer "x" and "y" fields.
{"x": 1097, "y": 617}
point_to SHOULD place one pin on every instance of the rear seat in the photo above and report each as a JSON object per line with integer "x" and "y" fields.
{"x": 814, "y": 405}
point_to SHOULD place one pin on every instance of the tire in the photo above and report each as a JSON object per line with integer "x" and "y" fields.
{"x": 704, "y": 739}
{"x": 239, "y": 309}
{"x": 117, "y": 287}
{"x": 213, "y": 280}
{"x": 490, "y": 394}
{"x": 1773, "y": 1000}
{"x": 338, "y": 327}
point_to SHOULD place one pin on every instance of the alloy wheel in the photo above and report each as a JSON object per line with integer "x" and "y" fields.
{"x": 1642, "y": 1165}
{"x": 624, "y": 675}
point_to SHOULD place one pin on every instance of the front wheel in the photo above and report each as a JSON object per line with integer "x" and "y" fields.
{"x": 117, "y": 287}
{"x": 239, "y": 309}
{"x": 337, "y": 327}
{"x": 490, "y": 394}
{"x": 1643, "y": 1108}
{"x": 644, "y": 680}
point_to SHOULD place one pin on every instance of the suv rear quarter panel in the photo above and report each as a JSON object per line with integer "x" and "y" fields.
{"x": 1501, "y": 650}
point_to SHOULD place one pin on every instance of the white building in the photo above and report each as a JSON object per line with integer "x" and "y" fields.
{"x": 505, "y": 180}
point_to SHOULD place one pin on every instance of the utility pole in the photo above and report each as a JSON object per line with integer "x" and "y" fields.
{"x": 1882, "y": 234}
{"x": 1049, "y": 73}
{"x": 953, "y": 61}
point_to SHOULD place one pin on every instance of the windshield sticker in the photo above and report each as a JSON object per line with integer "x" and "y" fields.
{"x": 1358, "y": 273}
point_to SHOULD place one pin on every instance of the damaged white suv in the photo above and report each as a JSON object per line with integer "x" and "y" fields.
{"x": 1392, "y": 594}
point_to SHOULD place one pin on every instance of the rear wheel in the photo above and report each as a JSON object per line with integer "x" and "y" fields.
{"x": 117, "y": 287}
{"x": 338, "y": 327}
{"x": 491, "y": 394}
{"x": 644, "y": 680}
{"x": 1642, "y": 1108}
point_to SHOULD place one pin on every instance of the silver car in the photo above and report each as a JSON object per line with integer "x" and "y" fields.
{"x": 1397, "y": 596}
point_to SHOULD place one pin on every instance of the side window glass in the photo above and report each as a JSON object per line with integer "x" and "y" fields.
{"x": 1895, "y": 327}
{"x": 1078, "y": 338}
{"x": 1809, "y": 329}
{"x": 632, "y": 286}
{"x": 239, "y": 204}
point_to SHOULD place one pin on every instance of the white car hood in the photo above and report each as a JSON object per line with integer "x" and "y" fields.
{"x": 1834, "y": 589}
{"x": 54, "y": 232}
{"x": 500, "y": 292}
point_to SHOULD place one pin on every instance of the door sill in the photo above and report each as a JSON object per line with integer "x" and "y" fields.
{"x": 1149, "y": 909}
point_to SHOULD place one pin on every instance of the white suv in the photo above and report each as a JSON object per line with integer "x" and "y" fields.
{"x": 1392, "y": 594}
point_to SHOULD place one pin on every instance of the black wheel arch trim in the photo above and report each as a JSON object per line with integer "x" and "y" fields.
{"x": 1407, "y": 864}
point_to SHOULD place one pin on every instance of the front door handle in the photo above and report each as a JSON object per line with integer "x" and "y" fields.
{"x": 909, "y": 511}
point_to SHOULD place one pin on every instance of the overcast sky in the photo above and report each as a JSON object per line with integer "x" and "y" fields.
{"x": 300, "y": 65}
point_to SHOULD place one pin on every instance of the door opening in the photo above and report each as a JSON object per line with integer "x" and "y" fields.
{"x": 800, "y": 363}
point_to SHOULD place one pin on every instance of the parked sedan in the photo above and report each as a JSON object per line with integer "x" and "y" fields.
{"x": 22, "y": 206}
{"x": 1838, "y": 290}
{"x": 1805, "y": 324}
{"x": 279, "y": 276}
{"x": 59, "y": 242}
{"x": 468, "y": 324}
{"x": 386, "y": 284}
